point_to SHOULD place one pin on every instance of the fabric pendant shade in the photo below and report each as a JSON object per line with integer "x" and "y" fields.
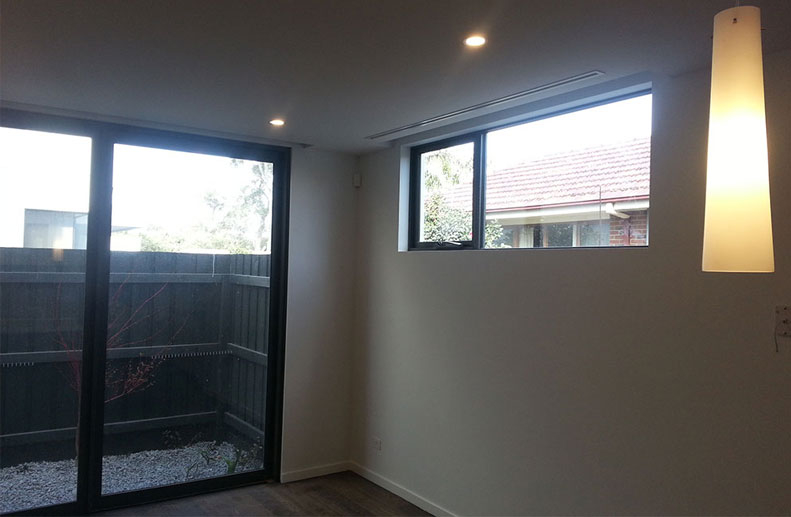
{"x": 737, "y": 234}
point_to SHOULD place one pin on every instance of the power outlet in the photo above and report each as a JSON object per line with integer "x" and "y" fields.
{"x": 377, "y": 443}
{"x": 783, "y": 321}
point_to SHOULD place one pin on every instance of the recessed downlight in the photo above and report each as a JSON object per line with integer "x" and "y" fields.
{"x": 475, "y": 40}
{"x": 277, "y": 122}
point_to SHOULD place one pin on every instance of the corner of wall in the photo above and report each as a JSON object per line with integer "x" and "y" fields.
{"x": 317, "y": 410}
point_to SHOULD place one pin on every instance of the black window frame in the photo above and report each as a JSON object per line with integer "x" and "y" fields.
{"x": 415, "y": 186}
{"x": 478, "y": 137}
{"x": 105, "y": 135}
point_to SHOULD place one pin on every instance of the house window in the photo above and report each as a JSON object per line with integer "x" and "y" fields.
{"x": 576, "y": 179}
{"x": 443, "y": 180}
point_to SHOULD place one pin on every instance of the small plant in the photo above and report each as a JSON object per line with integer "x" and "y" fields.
{"x": 231, "y": 463}
{"x": 212, "y": 453}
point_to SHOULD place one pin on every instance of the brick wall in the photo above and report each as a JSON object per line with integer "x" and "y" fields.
{"x": 629, "y": 232}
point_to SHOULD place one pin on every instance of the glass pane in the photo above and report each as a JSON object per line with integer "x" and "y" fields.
{"x": 559, "y": 235}
{"x": 578, "y": 179}
{"x": 446, "y": 194}
{"x": 595, "y": 233}
{"x": 44, "y": 191}
{"x": 188, "y": 318}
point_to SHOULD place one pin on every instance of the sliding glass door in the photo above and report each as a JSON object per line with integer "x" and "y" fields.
{"x": 43, "y": 229}
{"x": 185, "y": 370}
{"x": 170, "y": 291}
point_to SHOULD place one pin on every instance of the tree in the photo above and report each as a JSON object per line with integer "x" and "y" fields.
{"x": 444, "y": 223}
{"x": 137, "y": 374}
{"x": 444, "y": 171}
{"x": 132, "y": 375}
{"x": 257, "y": 200}
{"x": 239, "y": 225}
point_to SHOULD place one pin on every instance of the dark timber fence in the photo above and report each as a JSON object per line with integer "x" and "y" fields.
{"x": 198, "y": 322}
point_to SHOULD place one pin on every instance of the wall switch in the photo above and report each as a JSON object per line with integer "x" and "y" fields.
{"x": 378, "y": 444}
{"x": 783, "y": 321}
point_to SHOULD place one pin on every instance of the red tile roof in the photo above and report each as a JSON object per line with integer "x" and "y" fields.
{"x": 615, "y": 172}
{"x": 618, "y": 171}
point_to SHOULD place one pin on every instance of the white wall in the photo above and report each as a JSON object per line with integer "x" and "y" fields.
{"x": 318, "y": 332}
{"x": 581, "y": 381}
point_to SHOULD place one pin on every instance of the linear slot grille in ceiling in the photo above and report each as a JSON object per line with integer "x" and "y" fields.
{"x": 488, "y": 104}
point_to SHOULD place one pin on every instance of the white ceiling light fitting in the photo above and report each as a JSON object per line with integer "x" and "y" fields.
{"x": 488, "y": 104}
{"x": 476, "y": 40}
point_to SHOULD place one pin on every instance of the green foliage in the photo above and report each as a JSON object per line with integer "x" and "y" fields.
{"x": 442, "y": 222}
{"x": 238, "y": 226}
{"x": 494, "y": 235}
{"x": 231, "y": 463}
{"x": 210, "y": 452}
{"x": 257, "y": 200}
{"x": 442, "y": 171}
{"x": 239, "y": 458}
{"x": 224, "y": 235}
{"x": 156, "y": 238}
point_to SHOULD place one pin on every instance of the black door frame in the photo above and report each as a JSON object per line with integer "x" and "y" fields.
{"x": 97, "y": 270}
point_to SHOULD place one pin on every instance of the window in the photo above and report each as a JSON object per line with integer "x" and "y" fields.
{"x": 39, "y": 313}
{"x": 576, "y": 179}
{"x": 142, "y": 313}
{"x": 444, "y": 182}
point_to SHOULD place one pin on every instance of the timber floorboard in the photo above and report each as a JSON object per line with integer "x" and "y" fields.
{"x": 344, "y": 493}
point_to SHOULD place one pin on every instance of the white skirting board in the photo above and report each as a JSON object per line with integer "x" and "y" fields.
{"x": 373, "y": 477}
{"x": 312, "y": 472}
{"x": 401, "y": 491}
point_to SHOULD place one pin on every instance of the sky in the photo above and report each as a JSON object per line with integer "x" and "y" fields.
{"x": 150, "y": 186}
{"x": 608, "y": 123}
{"x": 171, "y": 185}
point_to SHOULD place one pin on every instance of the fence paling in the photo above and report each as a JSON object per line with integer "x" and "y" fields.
{"x": 35, "y": 277}
{"x": 241, "y": 396}
{"x": 165, "y": 351}
{"x": 68, "y": 433}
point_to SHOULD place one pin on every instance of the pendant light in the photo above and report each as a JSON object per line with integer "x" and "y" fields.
{"x": 737, "y": 234}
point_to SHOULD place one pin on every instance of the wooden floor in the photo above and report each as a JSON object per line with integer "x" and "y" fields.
{"x": 344, "y": 493}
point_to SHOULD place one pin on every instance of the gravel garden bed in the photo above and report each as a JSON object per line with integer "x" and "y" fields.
{"x": 44, "y": 483}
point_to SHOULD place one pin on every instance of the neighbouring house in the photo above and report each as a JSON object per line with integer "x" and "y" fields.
{"x": 597, "y": 196}
{"x": 594, "y": 196}
{"x": 63, "y": 230}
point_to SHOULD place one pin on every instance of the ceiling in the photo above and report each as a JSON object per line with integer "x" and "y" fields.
{"x": 335, "y": 70}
